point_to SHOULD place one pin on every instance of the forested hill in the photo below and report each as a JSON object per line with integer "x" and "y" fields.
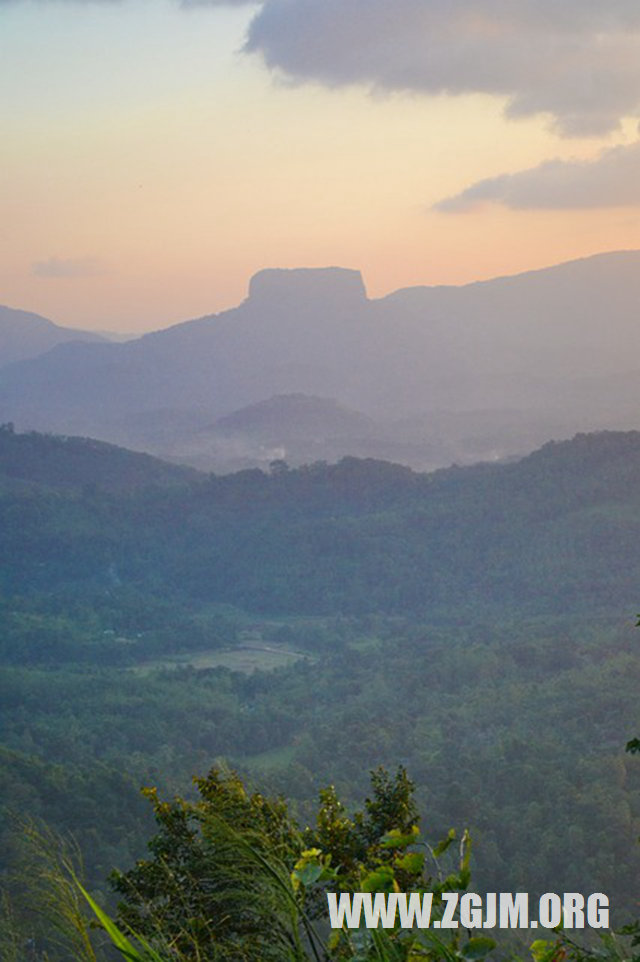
{"x": 556, "y": 531}
{"x": 474, "y": 625}
{"x": 69, "y": 462}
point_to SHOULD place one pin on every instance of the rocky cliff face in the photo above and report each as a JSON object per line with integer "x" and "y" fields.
{"x": 323, "y": 287}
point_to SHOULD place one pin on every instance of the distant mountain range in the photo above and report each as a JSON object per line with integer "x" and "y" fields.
{"x": 307, "y": 367}
{"x": 24, "y": 335}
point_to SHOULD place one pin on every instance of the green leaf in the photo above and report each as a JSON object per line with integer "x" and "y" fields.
{"x": 380, "y": 880}
{"x": 442, "y": 846}
{"x": 309, "y": 873}
{"x": 542, "y": 950}
{"x": 397, "y": 839}
{"x": 118, "y": 938}
{"x": 412, "y": 862}
{"x": 477, "y": 948}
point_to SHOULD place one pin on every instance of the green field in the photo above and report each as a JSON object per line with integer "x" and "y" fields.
{"x": 244, "y": 658}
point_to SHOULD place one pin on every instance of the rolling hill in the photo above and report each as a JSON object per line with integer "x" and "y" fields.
{"x": 556, "y": 531}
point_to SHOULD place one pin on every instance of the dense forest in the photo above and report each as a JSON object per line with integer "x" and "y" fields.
{"x": 303, "y": 627}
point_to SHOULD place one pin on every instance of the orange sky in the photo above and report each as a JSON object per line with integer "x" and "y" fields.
{"x": 149, "y": 168}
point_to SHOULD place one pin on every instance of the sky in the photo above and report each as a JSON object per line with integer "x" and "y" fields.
{"x": 157, "y": 153}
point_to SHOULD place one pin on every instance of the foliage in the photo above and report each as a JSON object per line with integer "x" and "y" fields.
{"x": 230, "y": 877}
{"x": 215, "y": 882}
{"x": 45, "y": 918}
{"x": 621, "y": 945}
{"x": 554, "y": 532}
{"x": 466, "y": 623}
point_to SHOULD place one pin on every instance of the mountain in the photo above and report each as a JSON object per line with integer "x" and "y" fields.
{"x": 24, "y": 335}
{"x": 301, "y": 429}
{"x": 556, "y": 532}
{"x": 541, "y": 354}
{"x": 297, "y": 428}
{"x": 295, "y": 416}
{"x": 72, "y": 463}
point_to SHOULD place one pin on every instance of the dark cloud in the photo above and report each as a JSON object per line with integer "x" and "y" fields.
{"x": 67, "y": 267}
{"x": 611, "y": 180}
{"x": 578, "y": 60}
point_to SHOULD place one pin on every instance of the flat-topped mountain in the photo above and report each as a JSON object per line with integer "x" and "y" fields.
{"x": 328, "y": 286}
{"x": 550, "y": 352}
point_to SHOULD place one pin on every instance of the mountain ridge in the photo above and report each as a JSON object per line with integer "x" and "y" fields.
{"x": 24, "y": 335}
{"x": 552, "y": 344}
{"x": 556, "y": 531}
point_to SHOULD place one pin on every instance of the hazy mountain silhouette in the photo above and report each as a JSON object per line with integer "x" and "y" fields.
{"x": 295, "y": 416}
{"x": 24, "y": 335}
{"x": 302, "y": 429}
{"x": 497, "y": 366}
{"x": 298, "y": 428}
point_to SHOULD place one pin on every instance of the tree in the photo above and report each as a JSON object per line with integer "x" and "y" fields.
{"x": 231, "y": 876}
{"x": 216, "y": 884}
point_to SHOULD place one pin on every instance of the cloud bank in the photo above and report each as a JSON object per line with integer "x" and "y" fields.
{"x": 576, "y": 60}
{"x": 611, "y": 180}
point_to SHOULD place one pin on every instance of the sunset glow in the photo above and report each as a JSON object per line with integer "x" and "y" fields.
{"x": 150, "y": 166}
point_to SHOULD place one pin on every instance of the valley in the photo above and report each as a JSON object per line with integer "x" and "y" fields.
{"x": 307, "y": 625}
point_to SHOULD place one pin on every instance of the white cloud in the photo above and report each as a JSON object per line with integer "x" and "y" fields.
{"x": 611, "y": 180}
{"x": 67, "y": 267}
